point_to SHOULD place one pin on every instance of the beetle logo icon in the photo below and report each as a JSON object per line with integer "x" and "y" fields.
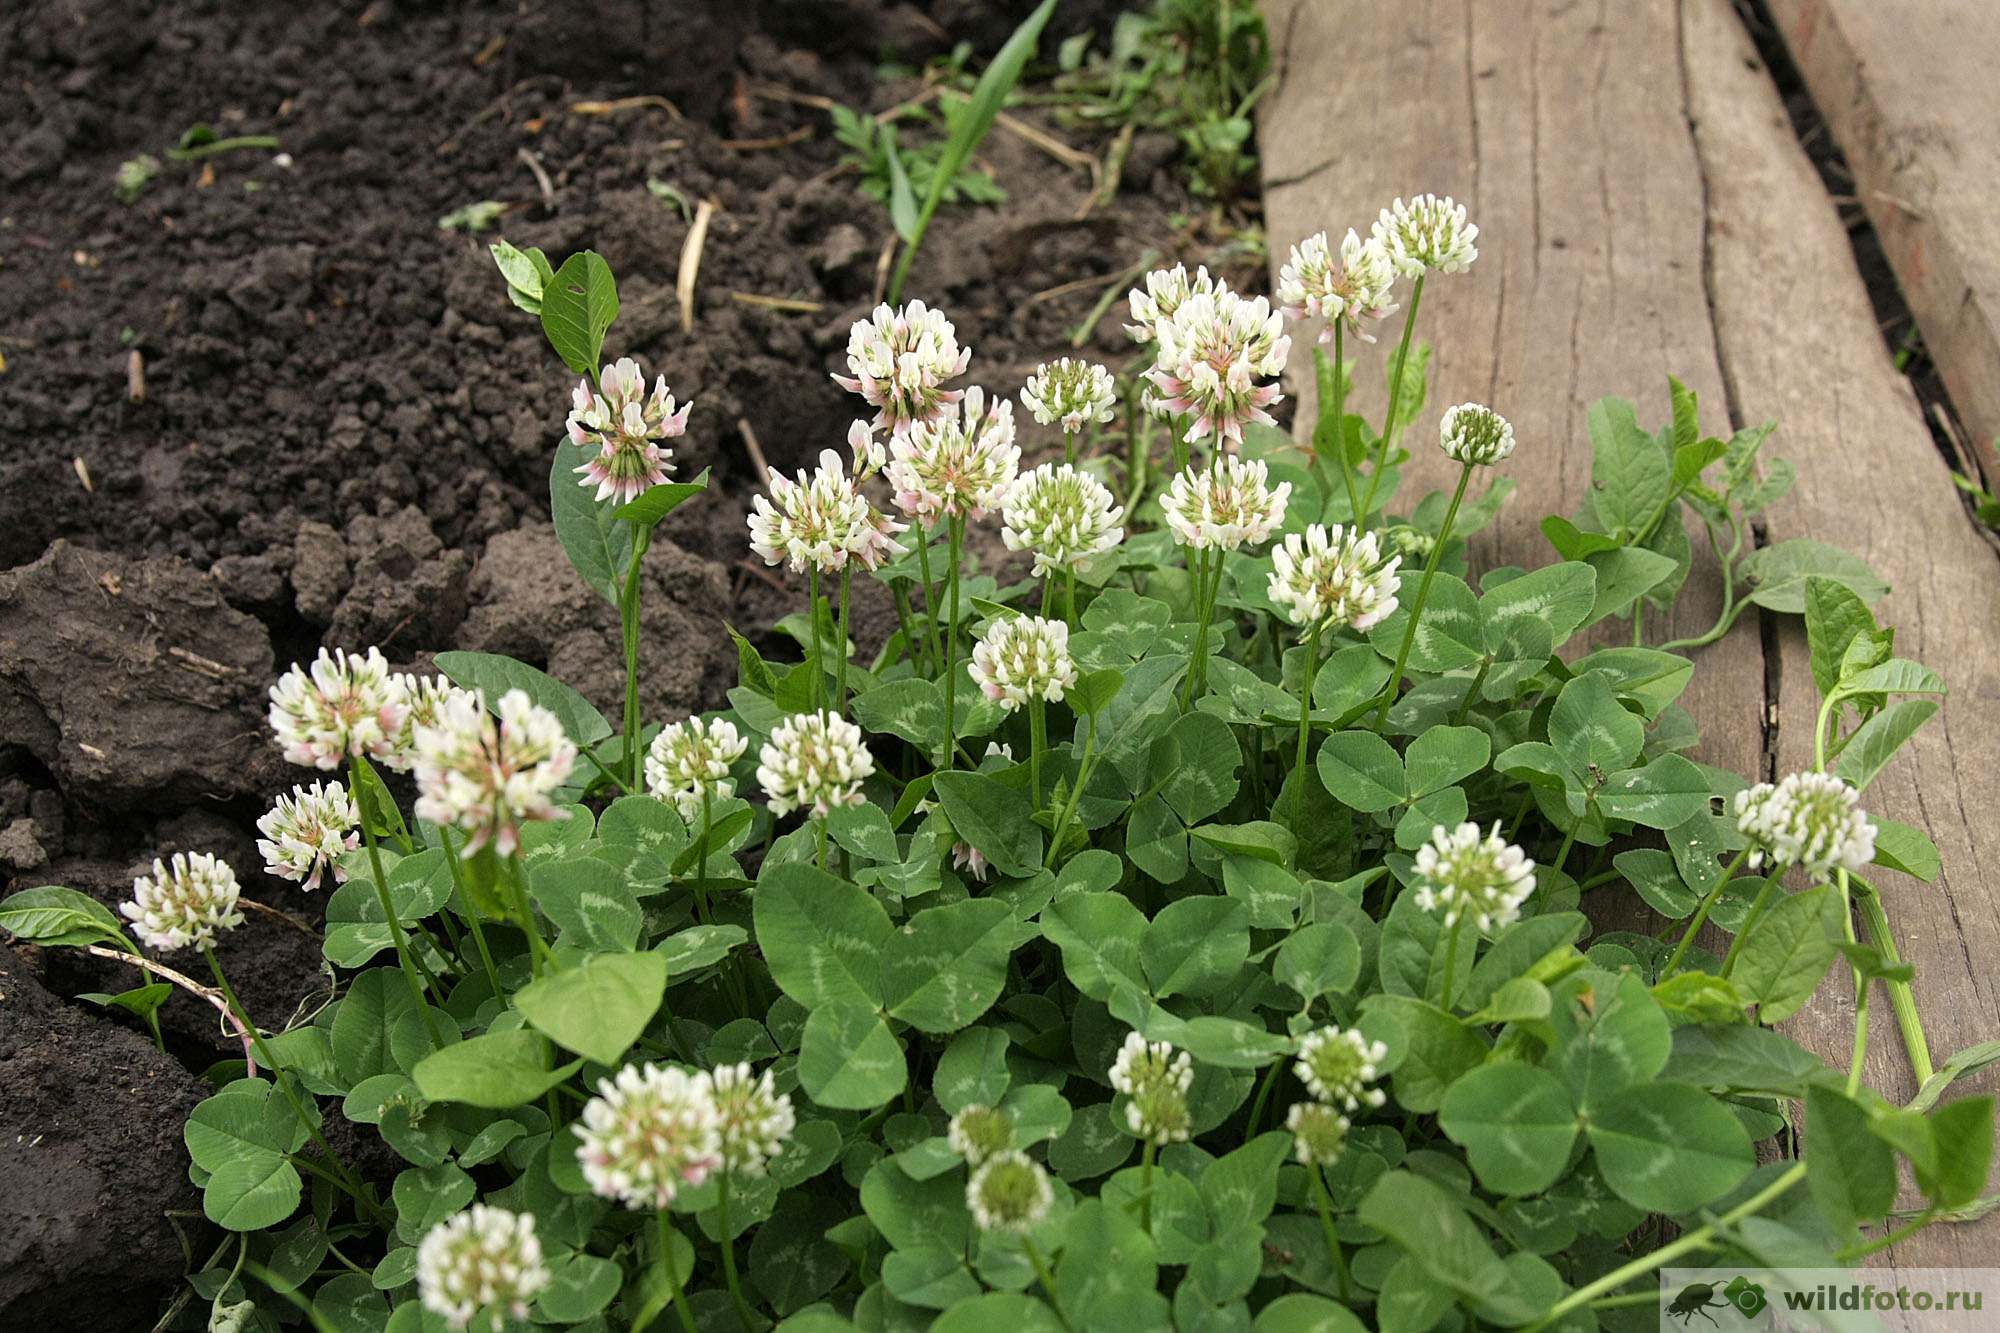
{"x": 1742, "y": 1295}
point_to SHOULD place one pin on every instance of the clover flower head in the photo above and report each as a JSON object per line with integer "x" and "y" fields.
{"x": 1464, "y": 874}
{"x": 966, "y": 857}
{"x": 1072, "y": 392}
{"x": 1218, "y": 361}
{"x": 646, "y": 1133}
{"x": 869, "y": 455}
{"x": 1339, "y": 1067}
{"x": 1414, "y": 543}
{"x": 1228, "y": 504}
{"x": 1428, "y": 232}
{"x": 1166, "y": 290}
{"x": 978, "y": 1132}
{"x": 1155, "y": 1081}
{"x": 1009, "y": 1193}
{"x": 822, "y": 521}
{"x": 306, "y": 832}
{"x": 690, "y": 759}
{"x": 1477, "y": 435}
{"x": 484, "y": 1258}
{"x": 958, "y": 463}
{"x": 813, "y": 760}
{"x": 1319, "y": 1133}
{"x": 485, "y": 775}
{"x": 625, "y": 425}
{"x": 1061, "y": 515}
{"x": 185, "y": 902}
{"x": 899, "y": 360}
{"x": 421, "y": 697}
{"x": 1354, "y": 288}
{"x": 1332, "y": 577}
{"x": 1809, "y": 820}
{"x": 753, "y": 1120}
{"x": 1020, "y": 658}
{"x": 346, "y": 704}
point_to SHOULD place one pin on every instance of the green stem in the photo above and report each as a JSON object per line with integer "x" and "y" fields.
{"x": 671, "y": 1272}
{"x": 1305, "y": 710}
{"x": 1069, "y": 598}
{"x": 819, "y": 835}
{"x": 1569, "y": 841}
{"x": 1324, "y": 1202}
{"x": 1041, "y": 1268}
{"x": 1860, "y": 988}
{"x": 1666, "y": 1254}
{"x": 471, "y": 912}
{"x": 818, "y": 667}
{"x": 1265, "y": 1086}
{"x": 1423, "y": 591}
{"x": 1472, "y": 691}
{"x": 729, "y": 1258}
{"x": 1450, "y": 963}
{"x": 1750, "y": 920}
{"x": 930, "y": 597}
{"x": 1146, "y": 1155}
{"x": 396, "y": 936}
{"x": 1901, "y": 999}
{"x": 1395, "y": 402}
{"x": 1884, "y": 1241}
{"x": 524, "y": 909}
{"x": 1708, "y": 901}
{"x": 1355, "y": 516}
{"x": 957, "y": 522}
{"x": 840, "y": 670}
{"x": 628, "y": 628}
{"x": 1038, "y": 739}
{"x": 901, "y": 596}
{"x": 1069, "y": 807}
{"x": 1069, "y": 447}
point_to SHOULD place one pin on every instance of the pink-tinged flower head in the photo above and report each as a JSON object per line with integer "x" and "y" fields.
{"x": 1218, "y": 362}
{"x": 1224, "y": 505}
{"x": 753, "y": 1120}
{"x": 1334, "y": 577}
{"x": 1063, "y": 516}
{"x": 1166, "y": 290}
{"x": 1020, "y": 658}
{"x": 486, "y": 775}
{"x": 347, "y": 704}
{"x": 1074, "y": 393}
{"x": 1354, "y": 287}
{"x": 869, "y": 455}
{"x": 306, "y": 832}
{"x": 899, "y": 361}
{"x": 483, "y": 1259}
{"x": 957, "y": 465}
{"x": 625, "y": 425}
{"x": 646, "y": 1133}
{"x": 822, "y": 521}
{"x": 813, "y": 761}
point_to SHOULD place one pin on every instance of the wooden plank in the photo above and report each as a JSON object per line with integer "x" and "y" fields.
{"x": 1799, "y": 345}
{"x": 1560, "y": 126}
{"x": 1910, "y": 95}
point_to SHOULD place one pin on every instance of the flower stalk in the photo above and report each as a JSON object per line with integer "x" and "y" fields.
{"x": 1423, "y": 592}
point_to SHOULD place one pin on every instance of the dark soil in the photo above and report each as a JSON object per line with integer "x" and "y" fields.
{"x": 344, "y": 432}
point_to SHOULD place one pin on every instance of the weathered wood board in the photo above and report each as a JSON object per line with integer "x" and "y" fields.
{"x": 1909, "y": 92}
{"x": 1645, "y": 211}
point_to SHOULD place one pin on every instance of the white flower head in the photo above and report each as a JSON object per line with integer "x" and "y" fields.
{"x": 1061, "y": 515}
{"x": 422, "y": 697}
{"x": 1218, "y": 361}
{"x": 646, "y": 1133}
{"x": 823, "y": 521}
{"x": 486, "y": 775}
{"x": 1155, "y": 1081}
{"x": 305, "y": 833}
{"x": 1464, "y": 874}
{"x": 1223, "y": 506}
{"x": 346, "y": 704}
{"x": 813, "y": 760}
{"x": 1428, "y": 232}
{"x": 1339, "y": 1066}
{"x": 978, "y": 1132}
{"x": 186, "y": 902}
{"x": 899, "y": 361}
{"x": 1166, "y": 290}
{"x": 483, "y": 1259}
{"x": 626, "y": 426}
{"x": 1020, "y": 658}
{"x": 1473, "y": 434}
{"x": 1074, "y": 393}
{"x": 753, "y": 1120}
{"x": 690, "y": 759}
{"x": 1319, "y": 1133}
{"x": 1009, "y": 1193}
{"x": 1809, "y": 820}
{"x": 1354, "y": 288}
{"x": 1332, "y": 577}
{"x": 959, "y": 463}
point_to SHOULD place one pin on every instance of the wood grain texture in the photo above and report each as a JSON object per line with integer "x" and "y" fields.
{"x": 1560, "y": 127}
{"x": 1799, "y": 345}
{"x": 1645, "y": 210}
{"x": 1909, "y": 93}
